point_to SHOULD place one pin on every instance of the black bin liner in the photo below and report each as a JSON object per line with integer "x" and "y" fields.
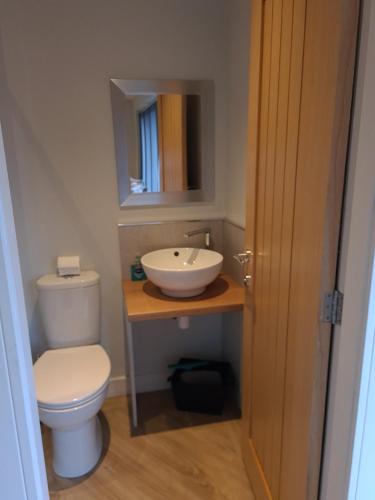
{"x": 201, "y": 386}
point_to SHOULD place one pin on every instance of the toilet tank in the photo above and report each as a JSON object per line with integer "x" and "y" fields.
{"x": 70, "y": 309}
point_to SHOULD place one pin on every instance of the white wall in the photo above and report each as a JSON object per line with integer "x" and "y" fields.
{"x": 57, "y": 59}
{"x": 238, "y": 59}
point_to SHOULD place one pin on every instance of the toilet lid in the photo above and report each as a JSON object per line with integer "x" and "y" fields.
{"x": 65, "y": 377}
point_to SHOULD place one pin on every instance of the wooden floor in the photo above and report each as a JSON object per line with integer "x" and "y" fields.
{"x": 200, "y": 462}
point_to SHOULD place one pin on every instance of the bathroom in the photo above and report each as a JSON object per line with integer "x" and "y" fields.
{"x": 67, "y": 191}
{"x": 56, "y": 62}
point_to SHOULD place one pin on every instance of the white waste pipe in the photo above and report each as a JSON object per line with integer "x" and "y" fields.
{"x": 183, "y": 322}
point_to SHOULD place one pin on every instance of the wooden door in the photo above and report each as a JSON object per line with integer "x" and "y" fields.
{"x": 301, "y": 78}
{"x": 172, "y": 142}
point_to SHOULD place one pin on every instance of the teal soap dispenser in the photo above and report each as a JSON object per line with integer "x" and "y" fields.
{"x": 136, "y": 270}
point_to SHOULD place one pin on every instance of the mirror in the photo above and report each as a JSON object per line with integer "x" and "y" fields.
{"x": 163, "y": 132}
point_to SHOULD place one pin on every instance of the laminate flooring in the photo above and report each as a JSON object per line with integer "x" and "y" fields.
{"x": 201, "y": 461}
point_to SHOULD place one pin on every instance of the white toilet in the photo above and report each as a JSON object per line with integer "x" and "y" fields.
{"x": 72, "y": 377}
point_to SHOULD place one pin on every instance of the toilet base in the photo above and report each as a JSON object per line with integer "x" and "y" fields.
{"x": 76, "y": 450}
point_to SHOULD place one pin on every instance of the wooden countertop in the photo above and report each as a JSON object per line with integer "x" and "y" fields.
{"x": 144, "y": 301}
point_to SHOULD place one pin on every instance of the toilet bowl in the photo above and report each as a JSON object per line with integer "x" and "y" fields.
{"x": 76, "y": 437}
{"x": 71, "y": 378}
{"x": 71, "y": 385}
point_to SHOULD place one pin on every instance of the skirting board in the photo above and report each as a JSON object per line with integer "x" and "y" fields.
{"x": 119, "y": 386}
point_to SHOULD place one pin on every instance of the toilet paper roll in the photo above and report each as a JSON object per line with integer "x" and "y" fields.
{"x": 68, "y": 266}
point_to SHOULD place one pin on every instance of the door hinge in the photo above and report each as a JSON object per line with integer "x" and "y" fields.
{"x": 332, "y": 307}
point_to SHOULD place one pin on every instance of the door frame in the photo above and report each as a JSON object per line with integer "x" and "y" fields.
{"x": 354, "y": 276}
{"x": 17, "y": 373}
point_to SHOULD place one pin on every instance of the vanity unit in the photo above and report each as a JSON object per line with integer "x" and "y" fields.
{"x": 144, "y": 301}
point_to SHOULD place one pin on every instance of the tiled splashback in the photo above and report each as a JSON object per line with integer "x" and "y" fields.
{"x": 140, "y": 239}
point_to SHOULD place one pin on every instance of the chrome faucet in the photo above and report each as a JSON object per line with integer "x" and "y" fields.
{"x": 204, "y": 230}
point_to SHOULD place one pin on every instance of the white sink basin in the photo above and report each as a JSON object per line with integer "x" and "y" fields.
{"x": 182, "y": 272}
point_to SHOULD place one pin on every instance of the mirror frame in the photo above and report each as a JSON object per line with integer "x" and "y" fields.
{"x": 205, "y": 88}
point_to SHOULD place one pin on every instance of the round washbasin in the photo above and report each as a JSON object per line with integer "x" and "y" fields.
{"x": 182, "y": 272}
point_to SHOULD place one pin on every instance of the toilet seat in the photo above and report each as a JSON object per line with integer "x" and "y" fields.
{"x": 68, "y": 377}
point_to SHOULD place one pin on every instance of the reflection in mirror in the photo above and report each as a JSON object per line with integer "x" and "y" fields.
{"x": 166, "y": 132}
{"x": 164, "y": 140}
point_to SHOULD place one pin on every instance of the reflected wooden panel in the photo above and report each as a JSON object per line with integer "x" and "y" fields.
{"x": 172, "y": 142}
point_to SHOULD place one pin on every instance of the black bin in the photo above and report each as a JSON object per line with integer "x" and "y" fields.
{"x": 201, "y": 386}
